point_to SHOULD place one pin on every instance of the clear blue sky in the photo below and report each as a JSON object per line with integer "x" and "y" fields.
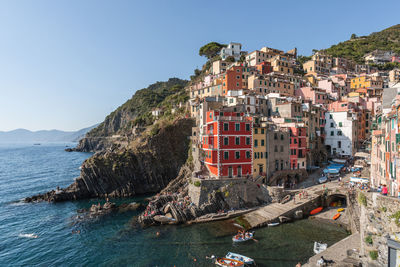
{"x": 67, "y": 64}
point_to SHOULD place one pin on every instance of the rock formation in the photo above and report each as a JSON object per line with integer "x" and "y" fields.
{"x": 147, "y": 165}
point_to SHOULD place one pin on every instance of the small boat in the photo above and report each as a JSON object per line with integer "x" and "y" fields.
{"x": 273, "y": 224}
{"x": 241, "y": 238}
{"x": 319, "y": 247}
{"x": 37, "y": 144}
{"x": 336, "y": 216}
{"x": 341, "y": 209}
{"x": 235, "y": 256}
{"x": 163, "y": 219}
{"x": 225, "y": 262}
{"x": 315, "y": 211}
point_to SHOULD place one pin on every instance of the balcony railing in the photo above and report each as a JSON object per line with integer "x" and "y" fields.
{"x": 231, "y": 118}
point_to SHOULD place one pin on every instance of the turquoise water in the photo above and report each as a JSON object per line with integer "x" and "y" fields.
{"x": 113, "y": 240}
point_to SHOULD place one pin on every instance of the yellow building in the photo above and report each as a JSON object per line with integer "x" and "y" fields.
{"x": 260, "y": 151}
{"x": 365, "y": 82}
{"x": 281, "y": 64}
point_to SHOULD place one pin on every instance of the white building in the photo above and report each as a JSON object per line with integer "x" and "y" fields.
{"x": 157, "y": 112}
{"x": 379, "y": 57}
{"x": 341, "y": 133}
{"x": 233, "y": 49}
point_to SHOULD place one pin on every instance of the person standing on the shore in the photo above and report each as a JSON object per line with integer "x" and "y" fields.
{"x": 384, "y": 190}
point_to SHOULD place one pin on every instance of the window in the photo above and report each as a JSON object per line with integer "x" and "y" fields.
{"x": 294, "y": 140}
{"x": 339, "y": 144}
{"x": 247, "y": 127}
{"x": 330, "y": 116}
{"x": 247, "y": 140}
{"x": 332, "y": 125}
{"x": 247, "y": 154}
{"x": 255, "y": 143}
{"x": 262, "y": 142}
{"x": 332, "y": 133}
{"x": 281, "y": 148}
{"x": 226, "y": 141}
{"x": 276, "y": 149}
{"x": 237, "y": 127}
{"x": 256, "y": 131}
{"x": 226, "y": 155}
{"x": 262, "y": 155}
{"x": 275, "y": 136}
{"x": 237, "y": 155}
{"x": 237, "y": 140}
{"x": 281, "y": 136}
{"x": 262, "y": 131}
{"x": 339, "y": 133}
{"x": 226, "y": 127}
{"x": 255, "y": 155}
{"x": 340, "y": 124}
{"x": 266, "y": 154}
{"x": 221, "y": 114}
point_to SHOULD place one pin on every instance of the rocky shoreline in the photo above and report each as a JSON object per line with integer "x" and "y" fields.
{"x": 146, "y": 166}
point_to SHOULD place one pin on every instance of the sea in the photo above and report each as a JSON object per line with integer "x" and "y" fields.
{"x": 56, "y": 234}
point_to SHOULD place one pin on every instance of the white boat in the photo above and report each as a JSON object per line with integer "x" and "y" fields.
{"x": 225, "y": 262}
{"x": 273, "y": 224}
{"x": 319, "y": 247}
{"x": 235, "y": 256}
{"x": 241, "y": 238}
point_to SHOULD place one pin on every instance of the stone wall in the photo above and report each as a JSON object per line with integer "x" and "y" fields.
{"x": 377, "y": 224}
{"x": 237, "y": 192}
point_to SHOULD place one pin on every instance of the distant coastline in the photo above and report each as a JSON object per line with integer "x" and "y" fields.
{"x": 44, "y": 136}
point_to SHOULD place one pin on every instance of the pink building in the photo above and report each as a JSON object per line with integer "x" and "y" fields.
{"x": 315, "y": 95}
{"x": 336, "y": 87}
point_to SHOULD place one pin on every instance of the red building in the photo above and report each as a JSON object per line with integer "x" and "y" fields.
{"x": 264, "y": 67}
{"x": 298, "y": 147}
{"x": 227, "y": 144}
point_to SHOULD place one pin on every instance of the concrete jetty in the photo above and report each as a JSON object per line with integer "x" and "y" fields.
{"x": 273, "y": 212}
{"x": 344, "y": 252}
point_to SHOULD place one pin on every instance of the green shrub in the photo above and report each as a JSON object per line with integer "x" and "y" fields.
{"x": 373, "y": 254}
{"x": 368, "y": 240}
{"x": 362, "y": 199}
{"x": 396, "y": 217}
{"x": 155, "y": 129}
{"x": 197, "y": 183}
{"x": 384, "y": 209}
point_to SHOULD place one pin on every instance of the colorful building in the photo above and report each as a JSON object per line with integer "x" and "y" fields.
{"x": 232, "y": 79}
{"x": 227, "y": 144}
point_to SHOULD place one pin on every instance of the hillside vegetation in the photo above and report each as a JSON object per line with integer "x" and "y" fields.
{"x": 137, "y": 110}
{"x": 357, "y": 47}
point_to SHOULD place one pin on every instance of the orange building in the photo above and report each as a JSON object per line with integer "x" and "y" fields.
{"x": 232, "y": 79}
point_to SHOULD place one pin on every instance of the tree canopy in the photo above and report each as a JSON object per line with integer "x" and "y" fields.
{"x": 210, "y": 50}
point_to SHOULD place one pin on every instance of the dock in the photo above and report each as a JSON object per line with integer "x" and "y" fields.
{"x": 343, "y": 252}
{"x": 272, "y": 212}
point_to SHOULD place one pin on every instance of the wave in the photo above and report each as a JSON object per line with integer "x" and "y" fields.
{"x": 32, "y": 235}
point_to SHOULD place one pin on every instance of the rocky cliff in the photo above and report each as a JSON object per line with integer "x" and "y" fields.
{"x": 125, "y": 123}
{"x": 146, "y": 165}
{"x": 136, "y": 153}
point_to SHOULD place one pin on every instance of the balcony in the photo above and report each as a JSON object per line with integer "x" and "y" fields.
{"x": 232, "y": 118}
